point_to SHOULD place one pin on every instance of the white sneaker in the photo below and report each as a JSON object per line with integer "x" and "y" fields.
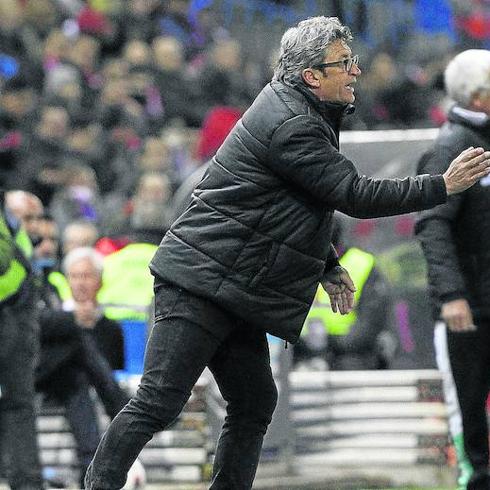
{"x": 136, "y": 477}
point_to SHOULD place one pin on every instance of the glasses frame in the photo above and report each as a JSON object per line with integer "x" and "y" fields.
{"x": 347, "y": 63}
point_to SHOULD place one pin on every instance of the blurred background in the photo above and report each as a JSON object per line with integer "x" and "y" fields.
{"x": 109, "y": 107}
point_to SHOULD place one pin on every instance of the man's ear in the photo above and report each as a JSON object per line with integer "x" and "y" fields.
{"x": 311, "y": 77}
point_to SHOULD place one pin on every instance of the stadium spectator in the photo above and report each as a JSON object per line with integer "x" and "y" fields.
{"x": 221, "y": 80}
{"x": 79, "y": 233}
{"x": 79, "y": 348}
{"x": 19, "y": 354}
{"x": 79, "y": 197}
{"x": 454, "y": 239}
{"x": 73, "y": 349}
{"x": 150, "y": 208}
{"x": 173, "y": 83}
{"x": 17, "y": 107}
{"x": 44, "y": 171}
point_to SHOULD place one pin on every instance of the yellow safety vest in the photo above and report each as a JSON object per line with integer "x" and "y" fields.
{"x": 13, "y": 278}
{"x": 359, "y": 265}
{"x": 59, "y": 281}
{"x": 127, "y": 284}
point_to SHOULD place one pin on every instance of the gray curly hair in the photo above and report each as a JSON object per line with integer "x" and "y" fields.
{"x": 304, "y": 45}
{"x": 466, "y": 74}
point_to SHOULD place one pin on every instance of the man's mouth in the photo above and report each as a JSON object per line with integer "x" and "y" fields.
{"x": 350, "y": 87}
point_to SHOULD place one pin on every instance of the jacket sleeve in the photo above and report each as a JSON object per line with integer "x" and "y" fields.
{"x": 434, "y": 230}
{"x": 302, "y": 154}
{"x": 332, "y": 259}
{"x": 57, "y": 326}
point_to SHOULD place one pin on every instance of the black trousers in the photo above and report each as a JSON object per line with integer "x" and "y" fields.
{"x": 19, "y": 348}
{"x": 184, "y": 340}
{"x": 469, "y": 356}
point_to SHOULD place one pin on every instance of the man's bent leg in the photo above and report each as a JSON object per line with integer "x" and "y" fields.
{"x": 177, "y": 352}
{"x": 242, "y": 370}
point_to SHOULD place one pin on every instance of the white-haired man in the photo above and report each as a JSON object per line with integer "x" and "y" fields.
{"x": 247, "y": 255}
{"x": 455, "y": 239}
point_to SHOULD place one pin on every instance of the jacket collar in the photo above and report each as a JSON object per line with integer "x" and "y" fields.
{"x": 330, "y": 112}
{"x": 477, "y": 120}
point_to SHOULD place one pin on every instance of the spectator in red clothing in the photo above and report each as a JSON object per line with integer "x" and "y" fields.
{"x": 215, "y": 128}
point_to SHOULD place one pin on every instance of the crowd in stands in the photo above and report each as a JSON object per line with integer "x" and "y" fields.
{"x": 108, "y": 106}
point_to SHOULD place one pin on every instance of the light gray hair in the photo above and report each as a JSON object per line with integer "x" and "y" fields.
{"x": 305, "y": 45}
{"x": 84, "y": 253}
{"x": 466, "y": 74}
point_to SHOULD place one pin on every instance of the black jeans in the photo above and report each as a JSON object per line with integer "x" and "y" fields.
{"x": 180, "y": 346}
{"x": 19, "y": 347}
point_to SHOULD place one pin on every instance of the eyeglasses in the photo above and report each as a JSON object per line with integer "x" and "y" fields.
{"x": 347, "y": 63}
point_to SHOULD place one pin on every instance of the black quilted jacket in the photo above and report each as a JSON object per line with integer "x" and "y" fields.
{"x": 256, "y": 237}
{"x": 455, "y": 237}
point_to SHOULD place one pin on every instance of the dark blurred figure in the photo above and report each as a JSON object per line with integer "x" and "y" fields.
{"x": 19, "y": 346}
{"x": 174, "y": 86}
{"x": 79, "y": 233}
{"x": 17, "y": 106}
{"x": 79, "y": 348}
{"x": 221, "y": 80}
{"x": 454, "y": 238}
{"x": 43, "y": 167}
{"x": 192, "y": 27}
{"x": 140, "y": 19}
{"x": 79, "y": 197}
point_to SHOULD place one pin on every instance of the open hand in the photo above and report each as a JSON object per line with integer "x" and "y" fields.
{"x": 467, "y": 168}
{"x": 339, "y": 286}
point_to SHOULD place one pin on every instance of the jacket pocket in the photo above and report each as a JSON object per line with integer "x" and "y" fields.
{"x": 254, "y": 259}
{"x": 266, "y": 265}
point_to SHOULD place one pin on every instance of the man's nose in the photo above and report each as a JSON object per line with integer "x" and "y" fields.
{"x": 355, "y": 70}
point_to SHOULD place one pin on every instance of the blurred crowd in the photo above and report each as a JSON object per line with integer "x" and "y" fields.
{"x": 106, "y": 106}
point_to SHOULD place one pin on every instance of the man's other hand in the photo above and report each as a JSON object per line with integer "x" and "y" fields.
{"x": 467, "y": 168}
{"x": 338, "y": 284}
{"x": 457, "y": 316}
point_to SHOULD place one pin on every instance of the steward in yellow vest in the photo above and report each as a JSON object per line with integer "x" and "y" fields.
{"x": 350, "y": 341}
{"x": 127, "y": 285}
{"x": 15, "y": 254}
{"x": 18, "y": 355}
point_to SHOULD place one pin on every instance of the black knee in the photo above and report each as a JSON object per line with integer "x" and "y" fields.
{"x": 158, "y": 406}
{"x": 268, "y": 401}
{"x": 254, "y": 407}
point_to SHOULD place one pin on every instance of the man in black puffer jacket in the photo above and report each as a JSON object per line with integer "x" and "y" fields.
{"x": 455, "y": 239}
{"x": 246, "y": 256}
